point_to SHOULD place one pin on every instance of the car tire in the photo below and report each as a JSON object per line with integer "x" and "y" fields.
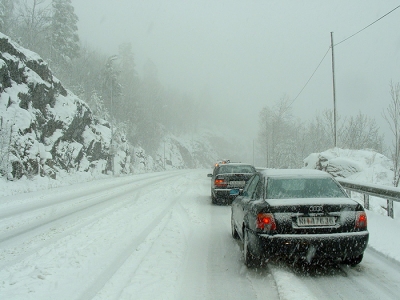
{"x": 353, "y": 261}
{"x": 214, "y": 200}
{"x": 235, "y": 235}
{"x": 250, "y": 259}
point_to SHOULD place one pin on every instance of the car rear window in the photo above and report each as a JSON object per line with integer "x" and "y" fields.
{"x": 280, "y": 188}
{"x": 235, "y": 169}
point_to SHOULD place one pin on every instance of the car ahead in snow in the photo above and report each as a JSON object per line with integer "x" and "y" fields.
{"x": 300, "y": 214}
{"x": 228, "y": 176}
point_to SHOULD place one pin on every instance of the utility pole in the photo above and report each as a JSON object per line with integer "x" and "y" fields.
{"x": 112, "y": 130}
{"x": 334, "y": 93}
{"x": 109, "y": 62}
{"x": 164, "y": 156}
{"x": 253, "y": 152}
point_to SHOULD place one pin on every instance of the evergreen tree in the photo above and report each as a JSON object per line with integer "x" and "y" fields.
{"x": 6, "y": 16}
{"x": 126, "y": 108}
{"x": 64, "y": 32}
{"x": 111, "y": 86}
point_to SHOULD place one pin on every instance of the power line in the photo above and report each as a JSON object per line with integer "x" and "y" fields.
{"x": 336, "y": 45}
{"x": 311, "y": 76}
{"x": 368, "y": 25}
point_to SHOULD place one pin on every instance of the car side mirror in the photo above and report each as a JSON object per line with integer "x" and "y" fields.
{"x": 209, "y": 175}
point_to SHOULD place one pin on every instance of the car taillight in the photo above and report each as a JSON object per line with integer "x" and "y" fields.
{"x": 265, "y": 222}
{"x": 220, "y": 183}
{"x": 361, "y": 220}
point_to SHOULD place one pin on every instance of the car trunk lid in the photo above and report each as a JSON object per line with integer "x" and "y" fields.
{"x": 314, "y": 216}
{"x": 234, "y": 180}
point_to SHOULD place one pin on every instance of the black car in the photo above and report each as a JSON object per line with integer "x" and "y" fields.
{"x": 228, "y": 176}
{"x": 300, "y": 214}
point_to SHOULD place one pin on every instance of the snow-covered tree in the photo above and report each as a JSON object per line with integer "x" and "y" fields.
{"x": 111, "y": 86}
{"x": 33, "y": 24}
{"x": 5, "y": 146}
{"x": 64, "y": 32}
{"x": 278, "y": 136}
{"x": 97, "y": 105}
{"x": 126, "y": 107}
{"x": 361, "y": 132}
{"x": 392, "y": 117}
{"x": 6, "y": 16}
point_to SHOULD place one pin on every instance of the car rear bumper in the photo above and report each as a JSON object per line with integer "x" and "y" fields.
{"x": 223, "y": 195}
{"x": 336, "y": 245}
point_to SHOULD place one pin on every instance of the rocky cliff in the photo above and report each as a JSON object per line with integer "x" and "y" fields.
{"x": 44, "y": 127}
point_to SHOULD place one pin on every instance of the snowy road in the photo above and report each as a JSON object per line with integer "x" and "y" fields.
{"x": 154, "y": 236}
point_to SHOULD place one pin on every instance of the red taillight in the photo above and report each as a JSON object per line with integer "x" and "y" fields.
{"x": 265, "y": 222}
{"x": 220, "y": 183}
{"x": 361, "y": 220}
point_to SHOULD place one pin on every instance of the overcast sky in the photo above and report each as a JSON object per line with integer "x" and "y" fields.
{"x": 250, "y": 53}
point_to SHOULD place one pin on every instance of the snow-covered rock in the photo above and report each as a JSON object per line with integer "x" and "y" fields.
{"x": 360, "y": 165}
{"x": 44, "y": 127}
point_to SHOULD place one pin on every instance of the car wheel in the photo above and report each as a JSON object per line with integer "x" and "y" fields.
{"x": 250, "y": 259}
{"x": 213, "y": 199}
{"x": 235, "y": 235}
{"x": 353, "y": 261}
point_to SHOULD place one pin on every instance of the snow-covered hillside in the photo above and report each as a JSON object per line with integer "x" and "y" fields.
{"x": 45, "y": 129}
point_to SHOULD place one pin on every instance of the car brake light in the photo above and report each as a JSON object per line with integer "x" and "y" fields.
{"x": 220, "y": 183}
{"x": 266, "y": 222}
{"x": 361, "y": 220}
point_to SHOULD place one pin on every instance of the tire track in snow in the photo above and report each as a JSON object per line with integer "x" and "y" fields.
{"x": 81, "y": 208}
{"x": 214, "y": 268}
{"x": 160, "y": 261}
{"x": 132, "y": 249}
{"x": 375, "y": 278}
{"x": 57, "y": 227}
{"x": 11, "y": 209}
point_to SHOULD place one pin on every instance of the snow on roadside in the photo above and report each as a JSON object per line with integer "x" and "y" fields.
{"x": 289, "y": 286}
{"x": 383, "y": 235}
{"x": 37, "y": 183}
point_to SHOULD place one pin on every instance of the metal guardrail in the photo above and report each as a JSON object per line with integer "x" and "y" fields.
{"x": 386, "y": 192}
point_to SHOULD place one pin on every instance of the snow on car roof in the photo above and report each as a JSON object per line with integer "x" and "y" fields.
{"x": 294, "y": 172}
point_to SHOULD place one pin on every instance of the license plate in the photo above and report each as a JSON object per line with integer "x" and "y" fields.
{"x": 237, "y": 183}
{"x": 316, "y": 221}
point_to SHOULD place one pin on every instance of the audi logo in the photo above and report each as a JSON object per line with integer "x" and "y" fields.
{"x": 315, "y": 209}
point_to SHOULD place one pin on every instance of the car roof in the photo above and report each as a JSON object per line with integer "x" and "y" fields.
{"x": 234, "y": 164}
{"x": 290, "y": 173}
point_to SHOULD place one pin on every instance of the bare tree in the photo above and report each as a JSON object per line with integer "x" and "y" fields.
{"x": 392, "y": 117}
{"x": 361, "y": 132}
{"x": 276, "y": 134}
{"x": 7, "y": 16}
{"x": 5, "y": 146}
{"x": 33, "y": 27}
